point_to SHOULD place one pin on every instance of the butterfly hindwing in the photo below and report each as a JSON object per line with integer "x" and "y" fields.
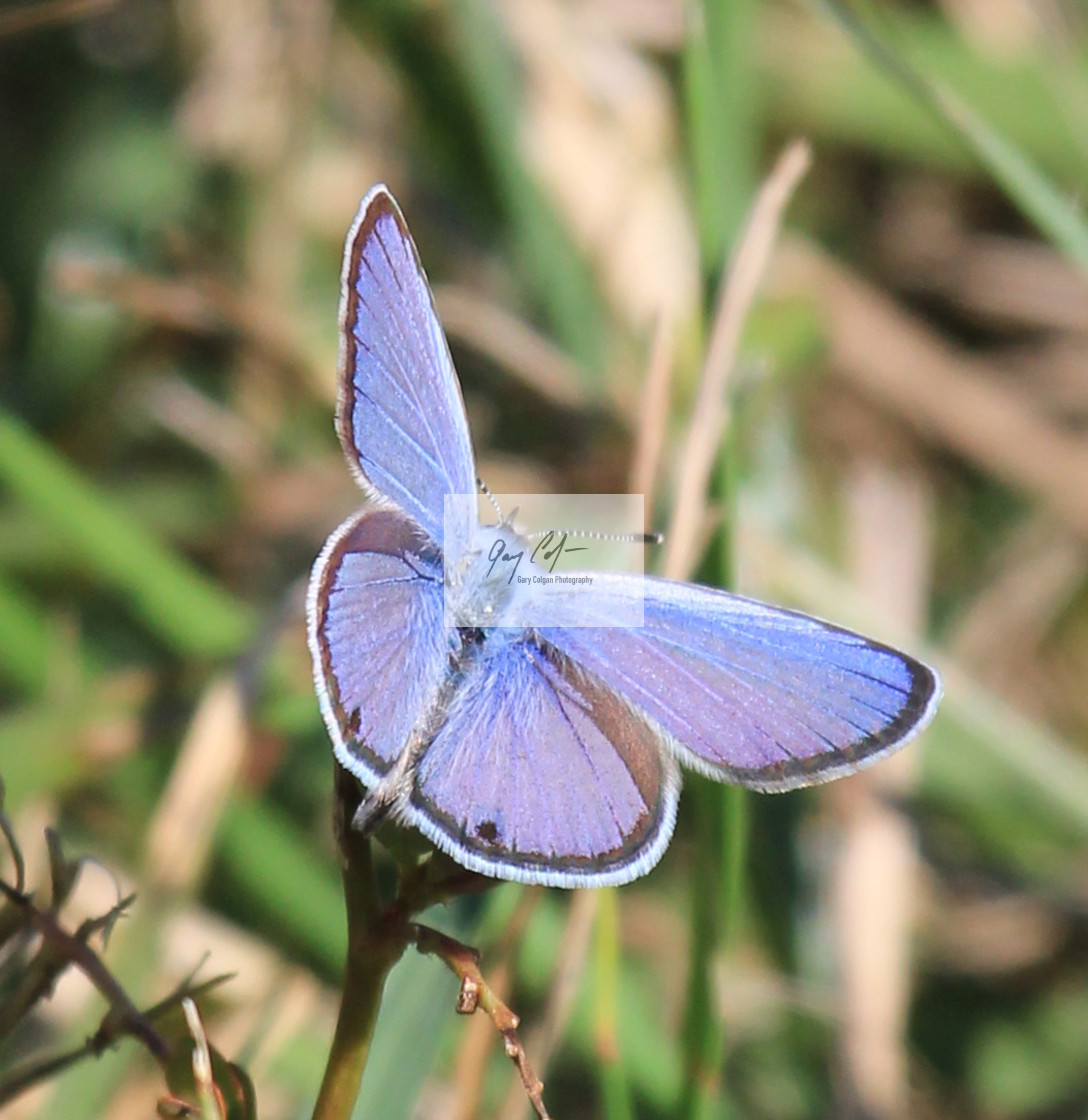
{"x": 748, "y": 693}
{"x": 400, "y": 415}
{"x": 540, "y": 773}
{"x": 377, "y": 635}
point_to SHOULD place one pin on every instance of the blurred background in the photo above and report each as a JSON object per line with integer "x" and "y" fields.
{"x": 907, "y": 454}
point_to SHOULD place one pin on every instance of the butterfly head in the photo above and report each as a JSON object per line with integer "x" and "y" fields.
{"x": 483, "y": 587}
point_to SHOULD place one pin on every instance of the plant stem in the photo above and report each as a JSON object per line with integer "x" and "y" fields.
{"x": 374, "y": 946}
{"x": 476, "y": 993}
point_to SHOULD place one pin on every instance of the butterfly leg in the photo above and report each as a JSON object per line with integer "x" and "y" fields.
{"x": 393, "y": 789}
{"x": 371, "y": 814}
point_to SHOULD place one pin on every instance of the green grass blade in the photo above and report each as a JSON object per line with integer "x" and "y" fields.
{"x": 1055, "y": 215}
{"x": 702, "y": 1033}
{"x": 614, "y": 1087}
{"x": 185, "y": 608}
{"x": 719, "y": 111}
{"x": 705, "y": 152}
{"x": 417, "y": 1013}
{"x": 36, "y": 755}
{"x": 719, "y": 102}
{"x": 1025, "y": 184}
{"x": 549, "y": 258}
{"x": 24, "y": 641}
{"x": 277, "y": 875}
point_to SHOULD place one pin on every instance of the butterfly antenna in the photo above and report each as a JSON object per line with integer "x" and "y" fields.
{"x": 627, "y": 538}
{"x": 491, "y": 498}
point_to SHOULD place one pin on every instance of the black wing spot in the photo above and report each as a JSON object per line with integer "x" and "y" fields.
{"x": 488, "y": 831}
{"x": 355, "y": 721}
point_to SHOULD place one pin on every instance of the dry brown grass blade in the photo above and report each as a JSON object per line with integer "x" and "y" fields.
{"x": 197, "y": 304}
{"x": 946, "y": 394}
{"x": 711, "y": 413}
{"x": 653, "y": 417}
{"x": 1042, "y": 569}
{"x": 180, "y": 834}
{"x": 50, "y": 13}
{"x": 202, "y": 422}
{"x": 657, "y": 24}
{"x": 511, "y": 344}
{"x": 928, "y": 243}
{"x": 1054, "y": 372}
{"x": 875, "y": 881}
{"x": 1013, "y": 280}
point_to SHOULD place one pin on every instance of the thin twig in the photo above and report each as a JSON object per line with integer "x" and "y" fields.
{"x": 75, "y": 950}
{"x": 474, "y": 1055}
{"x": 471, "y": 1063}
{"x": 13, "y": 844}
{"x": 573, "y": 947}
{"x": 25, "y": 1077}
{"x": 734, "y": 302}
{"x": 464, "y": 962}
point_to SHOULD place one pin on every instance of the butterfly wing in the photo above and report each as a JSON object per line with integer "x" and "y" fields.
{"x": 379, "y": 644}
{"x": 540, "y": 773}
{"x": 400, "y": 415}
{"x": 748, "y": 693}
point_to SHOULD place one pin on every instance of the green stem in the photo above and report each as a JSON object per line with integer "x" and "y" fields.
{"x": 375, "y": 944}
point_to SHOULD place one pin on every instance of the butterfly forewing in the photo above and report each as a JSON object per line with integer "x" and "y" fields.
{"x": 380, "y": 648}
{"x": 753, "y": 694}
{"x": 539, "y": 773}
{"x": 400, "y": 415}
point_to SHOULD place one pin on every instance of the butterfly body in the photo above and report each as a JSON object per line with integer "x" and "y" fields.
{"x": 547, "y": 753}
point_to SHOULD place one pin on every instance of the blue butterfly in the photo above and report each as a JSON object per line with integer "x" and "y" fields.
{"x": 546, "y": 754}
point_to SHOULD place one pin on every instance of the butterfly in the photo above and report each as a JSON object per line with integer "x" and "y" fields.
{"x": 545, "y": 754}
